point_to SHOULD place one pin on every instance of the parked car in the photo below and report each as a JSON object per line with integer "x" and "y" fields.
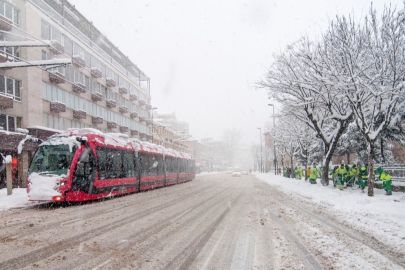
{"x": 236, "y": 174}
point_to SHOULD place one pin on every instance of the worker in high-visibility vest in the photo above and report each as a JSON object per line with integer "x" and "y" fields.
{"x": 362, "y": 177}
{"x": 314, "y": 175}
{"x": 386, "y": 179}
{"x": 299, "y": 173}
{"x": 334, "y": 175}
{"x": 308, "y": 173}
{"x": 341, "y": 173}
{"x": 352, "y": 176}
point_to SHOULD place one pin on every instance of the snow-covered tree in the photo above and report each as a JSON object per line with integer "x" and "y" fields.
{"x": 373, "y": 58}
{"x": 304, "y": 82}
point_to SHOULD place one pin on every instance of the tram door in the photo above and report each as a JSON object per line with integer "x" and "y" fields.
{"x": 85, "y": 172}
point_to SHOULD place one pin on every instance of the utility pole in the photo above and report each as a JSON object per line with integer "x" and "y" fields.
{"x": 261, "y": 151}
{"x": 274, "y": 143}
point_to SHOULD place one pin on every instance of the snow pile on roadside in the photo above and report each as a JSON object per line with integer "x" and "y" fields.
{"x": 382, "y": 216}
{"x": 17, "y": 199}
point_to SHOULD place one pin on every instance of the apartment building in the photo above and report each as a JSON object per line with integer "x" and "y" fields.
{"x": 101, "y": 88}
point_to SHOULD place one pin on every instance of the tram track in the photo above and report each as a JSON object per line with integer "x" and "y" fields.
{"x": 139, "y": 243}
{"x": 89, "y": 214}
{"x": 54, "y": 248}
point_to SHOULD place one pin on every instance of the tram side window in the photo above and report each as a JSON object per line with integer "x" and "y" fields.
{"x": 182, "y": 166}
{"x": 115, "y": 162}
{"x": 171, "y": 165}
{"x": 160, "y": 167}
{"x": 110, "y": 165}
{"x": 144, "y": 159}
{"x": 129, "y": 164}
{"x": 153, "y": 165}
{"x": 102, "y": 163}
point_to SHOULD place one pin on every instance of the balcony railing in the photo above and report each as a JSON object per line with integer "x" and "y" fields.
{"x": 56, "y": 77}
{"x": 78, "y": 61}
{"x": 123, "y": 109}
{"x": 111, "y": 125}
{"x": 124, "y": 129}
{"x": 6, "y": 102}
{"x": 110, "y": 82}
{"x": 56, "y": 47}
{"x": 96, "y": 96}
{"x": 123, "y": 90}
{"x": 5, "y": 24}
{"x": 79, "y": 88}
{"x": 79, "y": 114}
{"x": 134, "y": 132}
{"x": 97, "y": 120}
{"x": 133, "y": 114}
{"x": 57, "y": 107}
{"x": 111, "y": 103}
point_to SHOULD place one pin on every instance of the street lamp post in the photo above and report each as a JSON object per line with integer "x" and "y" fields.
{"x": 154, "y": 108}
{"x": 274, "y": 144}
{"x": 261, "y": 151}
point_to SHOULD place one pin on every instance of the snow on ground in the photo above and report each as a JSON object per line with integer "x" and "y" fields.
{"x": 17, "y": 199}
{"x": 381, "y": 216}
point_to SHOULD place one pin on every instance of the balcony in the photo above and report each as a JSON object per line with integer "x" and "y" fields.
{"x": 110, "y": 82}
{"x": 78, "y": 61}
{"x": 96, "y": 73}
{"x": 5, "y": 24}
{"x": 123, "y": 90}
{"x": 111, "y": 125}
{"x": 133, "y": 114}
{"x": 142, "y": 135}
{"x": 6, "y": 102}
{"x": 79, "y": 114}
{"x": 123, "y": 109}
{"x": 123, "y": 129}
{"x": 142, "y": 119}
{"x": 97, "y": 120}
{"x": 56, "y": 77}
{"x": 148, "y": 122}
{"x": 149, "y": 107}
{"x": 96, "y": 96}
{"x": 133, "y": 97}
{"x": 142, "y": 102}
{"x": 79, "y": 88}
{"x": 56, "y": 48}
{"x": 134, "y": 132}
{"x": 111, "y": 103}
{"x": 57, "y": 107}
{"x": 3, "y": 56}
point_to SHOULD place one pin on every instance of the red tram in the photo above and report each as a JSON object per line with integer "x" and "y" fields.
{"x": 86, "y": 164}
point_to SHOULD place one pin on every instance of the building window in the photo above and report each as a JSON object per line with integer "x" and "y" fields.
{"x": 9, "y": 123}
{"x": 10, "y": 87}
{"x": 9, "y": 12}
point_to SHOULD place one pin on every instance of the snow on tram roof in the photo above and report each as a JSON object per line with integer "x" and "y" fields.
{"x": 124, "y": 141}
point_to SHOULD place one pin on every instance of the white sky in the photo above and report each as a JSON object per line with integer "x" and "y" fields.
{"x": 204, "y": 56}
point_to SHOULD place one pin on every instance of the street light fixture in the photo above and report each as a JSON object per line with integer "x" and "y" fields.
{"x": 261, "y": 151}
{"x": 274, "y": 144}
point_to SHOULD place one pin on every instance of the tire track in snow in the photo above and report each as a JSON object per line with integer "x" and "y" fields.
{"x": 46, "y": 252}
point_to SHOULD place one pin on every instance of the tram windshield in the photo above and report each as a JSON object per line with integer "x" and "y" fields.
{"x": 52, "y": 160}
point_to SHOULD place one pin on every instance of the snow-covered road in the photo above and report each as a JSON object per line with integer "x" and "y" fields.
{"x": 215, "y": 222}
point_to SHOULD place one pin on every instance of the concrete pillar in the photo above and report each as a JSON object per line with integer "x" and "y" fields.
{"x": 9, "y": 179}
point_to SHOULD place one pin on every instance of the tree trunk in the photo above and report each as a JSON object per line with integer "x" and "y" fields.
{"x": 371, "y": 170}
{"x": 348, "y": 157}
{"x": 292, "y": 168}
{"x": 382, "y": 151}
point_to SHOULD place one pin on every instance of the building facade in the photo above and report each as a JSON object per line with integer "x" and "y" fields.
{"x": 100, "y": 89}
